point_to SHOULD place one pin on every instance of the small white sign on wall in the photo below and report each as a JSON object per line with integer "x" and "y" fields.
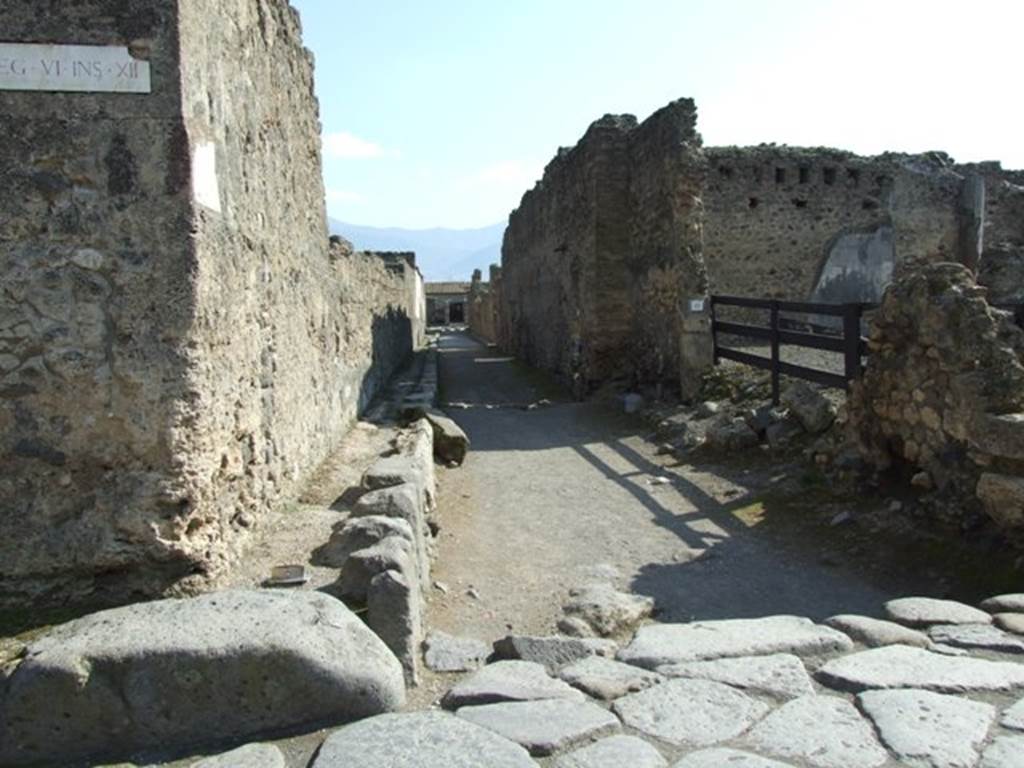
{"x": 205, "y": 187}
{"x": 75, "y": 68}
{"x": 696, "y": 305}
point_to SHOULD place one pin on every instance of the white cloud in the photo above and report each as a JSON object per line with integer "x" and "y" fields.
{"x": 342, "y": 145}
{"x": 343, "y": 196}
{"x": 507, "y": 173}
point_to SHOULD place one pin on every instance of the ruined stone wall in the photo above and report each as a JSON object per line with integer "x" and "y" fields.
{"x": 823, "y": 224}
{"x": 1002, "y": 260}
{"x": 595, "y": 258}
{"x": 178, "y": 347}
{"x": 942, "y": 397}
{"x": 481, "y": 310}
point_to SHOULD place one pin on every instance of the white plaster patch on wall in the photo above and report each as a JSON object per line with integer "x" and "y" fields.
{"x": 205, "y": 187}
{"x": 75, "y": 68}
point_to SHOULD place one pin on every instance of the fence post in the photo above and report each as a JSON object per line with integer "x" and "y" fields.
{"x": 775, "y": 351}
{"x": 851, "y": 341}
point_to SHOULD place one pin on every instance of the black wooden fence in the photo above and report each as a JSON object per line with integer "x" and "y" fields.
{"x": 847, "y": 342}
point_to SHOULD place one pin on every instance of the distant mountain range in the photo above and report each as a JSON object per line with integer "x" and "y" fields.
{"x": 441, "y": 254}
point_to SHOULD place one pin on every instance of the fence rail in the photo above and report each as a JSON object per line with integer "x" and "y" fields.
{"x": 849, "y": 343}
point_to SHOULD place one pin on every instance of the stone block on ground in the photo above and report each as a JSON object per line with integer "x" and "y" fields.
{"x": 813, "y": 410}
{"x": 394, "y": 611}
{"x": 553, "y": 651}
{"x": 781, "y": 675}
{"x": 1013, "y": 717}
{"x": 929, "y": 729}
{"x": 1011, "y": 622}
{"x": 656, "y": 645}
{"x": 823, "y": 731}
{"x": 977, "y": 636}
{"x": 249, "y": 756}
{"x": 614, "y": 752}
{"x": 419, "y": 740}
{"x": 925, "y": 611}
{"x": 401, "y": 502}
{"x": 186, "y": 672}
{"x": 1009, "y": 603}
{"x": 723, "y": 757}
{"x": 359, "y": 533}
{"x": 508, "y": 681}
{"x": 875, "y": 633}
{"x": 898, "y": 666}
{"x": 391, "y": 554}
{"x": 692, "y": 713}
{"x": 730, "y": 434}
{"x": 607, "y": 610}
{"x": 1003, "y": 499}
{"x": 446, "y": 653}
{"x": 450, "y": 441}
{"x": 543, "y": 727}
{"x": 607, "y": 679}
{"x": 1004, "y": 752}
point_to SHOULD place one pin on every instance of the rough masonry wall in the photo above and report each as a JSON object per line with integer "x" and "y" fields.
{"x": 823, "y": 224}
{"x": 481, "y": 308}
{"x": 597, "y": 255}
{"x": 174, "y": 368}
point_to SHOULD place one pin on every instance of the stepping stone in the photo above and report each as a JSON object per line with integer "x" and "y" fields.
{"x": 606, "y": 679}
{"x": 693, "y": 713}
{"x": 229, "y": 664}
{"x": 614, "y": 752}
{"x": 1011, "y": 622}
{"x": 543, "y": 727}
{"x": 824, "y": 731}
{"x": 249, "y": 756}
{"x": 983, "y": 636}
{"x": 929, "y": 729}
{"x": 446, "y": 653}
{"x": 925, "y": 611}
{"x": 1011, "y": 603}
{"x": 1014, "y": 717}
{"x": 875, "y": 633}
{"x": 607, "y": 610}
{"x": 1004, "y": 752}
{"x": 782, "y": 675}
{"x": 897, "y": 666}
{"x": 553, "y": 652}
{"x": 659, "y": 644}
{"x": 418, "y": 740}
{"x": 721, "y": 757}
{"x": 508, "y": 681}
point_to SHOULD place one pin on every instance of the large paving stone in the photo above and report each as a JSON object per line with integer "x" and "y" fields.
{"x": 875, "y": 633}
{"x": 659, "y": 644}
{"x": 606, "y": 679}
{"x": 187, "y": 672}
{"x": 981, "y": 636}
{"x": 722, "y": 757}
{"x": 1009, "y": 603}
{"x": 554, "y": 651}
{"x": 419, "y": 740}
{"x": 693, "y": 713}
{"x": 1004, "y": 752}
{"x": 543, "y": 727}
{"x": 928, "y": 729}
{"x": 1011, "y": 622}
{"x": 897, "y": 666}
{"x": 446, "y": 653}
{"x": 823, "y": 731}
{"x": 508, "y": 681}
{"x": 782, "y": 675}
{"x": 606, "y": 610}
{"x": 925, "y": 611}
{"x": 614, "y": 752}
{"x": 249, "y": 756}
{"x": 1013, "y": 717}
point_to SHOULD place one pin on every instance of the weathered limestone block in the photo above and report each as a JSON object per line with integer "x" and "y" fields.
{"x": 394, "y": 612}
{"x": 814, "y": 411}
{"x": 179, "y": 673}
{"x": 249, "y": 756}
{"x": 607, "y": 610}
{"x": 359, "y": 533}
{"x": 1003, "y": 497}
{"x": 391, "y": 554}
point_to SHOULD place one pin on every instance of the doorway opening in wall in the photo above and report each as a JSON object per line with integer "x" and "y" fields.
{"x": 457, "y": 312}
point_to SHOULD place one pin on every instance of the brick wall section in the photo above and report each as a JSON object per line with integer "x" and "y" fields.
{"x": 595, "y": 258}
{"x": 169, "y": 373}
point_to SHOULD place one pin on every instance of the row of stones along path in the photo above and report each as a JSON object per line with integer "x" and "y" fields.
{"x": 759, "y": 655}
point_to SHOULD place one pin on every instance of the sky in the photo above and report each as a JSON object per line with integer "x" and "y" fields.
{"x": 444, "y": 112}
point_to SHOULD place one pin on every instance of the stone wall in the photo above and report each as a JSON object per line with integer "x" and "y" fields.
{"x": 824, "y": 224}
{"x": 942, "y": 398}
{"x": 179, "y": 348}
{"x": 481, "y": 307}
{"x": 598, "y": 256}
